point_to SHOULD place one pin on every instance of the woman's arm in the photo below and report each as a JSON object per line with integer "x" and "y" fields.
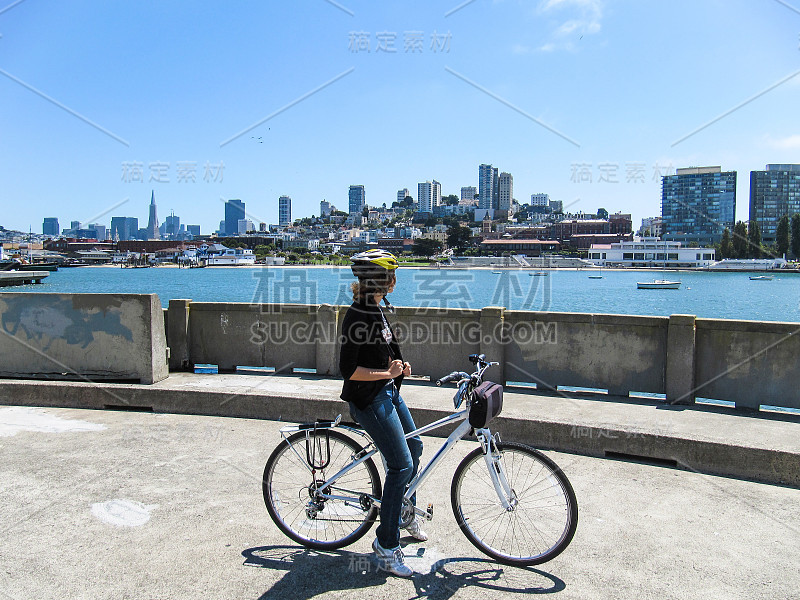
{"x": 396, "y": 367}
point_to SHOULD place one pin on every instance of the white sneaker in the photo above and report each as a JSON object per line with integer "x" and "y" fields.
{"x": 415, "y": 530}
{"x": 391, "y": 560}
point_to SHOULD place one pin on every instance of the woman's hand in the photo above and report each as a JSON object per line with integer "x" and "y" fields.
{"x": 396, "y": 368}
{"x": 407, "y": 369}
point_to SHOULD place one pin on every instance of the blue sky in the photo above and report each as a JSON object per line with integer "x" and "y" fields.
{"x": 553, "y": 91}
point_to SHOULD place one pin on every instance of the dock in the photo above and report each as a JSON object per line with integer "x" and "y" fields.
{"x": 21, "y": 277}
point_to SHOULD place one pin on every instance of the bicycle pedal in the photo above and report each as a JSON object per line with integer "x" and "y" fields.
{"x": 429, "y": 512}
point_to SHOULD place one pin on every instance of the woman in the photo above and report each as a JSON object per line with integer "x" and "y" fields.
{"x": 373, "y": 369}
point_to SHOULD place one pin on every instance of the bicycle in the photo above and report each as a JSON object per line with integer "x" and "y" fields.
{"x": 323, "y": 490}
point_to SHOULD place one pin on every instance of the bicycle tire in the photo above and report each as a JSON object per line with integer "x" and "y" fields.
{"x": 541, "y": 525}
{"x": 286, "y": 487}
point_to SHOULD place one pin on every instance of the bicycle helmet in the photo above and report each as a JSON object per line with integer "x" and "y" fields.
{"x": 373, "y": 264}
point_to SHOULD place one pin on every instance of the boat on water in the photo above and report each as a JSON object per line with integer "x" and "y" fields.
{"x": 40, "y": 266}
{"x": 761, "y": 278}
{"x": 595, "y": 276}
{"x": 497, "y": 272}
{"x": 658, "y": 284}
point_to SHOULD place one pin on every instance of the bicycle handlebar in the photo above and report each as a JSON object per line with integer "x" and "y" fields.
{"x": 454, "y": 376}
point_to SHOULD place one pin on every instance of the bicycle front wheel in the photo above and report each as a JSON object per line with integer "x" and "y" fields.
{"x": 292, "y": 493}
{"x": 544, "y": 511}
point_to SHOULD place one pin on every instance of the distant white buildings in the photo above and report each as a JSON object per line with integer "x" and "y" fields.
{"x": 468, "y": 195}
{"x": 540, "y": 199}
{"x": 650, "y": 252}
{"x": 429, "y": 195}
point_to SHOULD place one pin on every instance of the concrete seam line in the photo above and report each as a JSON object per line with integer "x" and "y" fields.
{"x": 63, "y": 366}
{"x": 240, "y": 470}
{"x": 736, "y": 366}
{"x": 710, "y": 479}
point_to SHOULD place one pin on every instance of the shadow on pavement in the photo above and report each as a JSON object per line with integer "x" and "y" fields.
{"x": 310, "y": 573}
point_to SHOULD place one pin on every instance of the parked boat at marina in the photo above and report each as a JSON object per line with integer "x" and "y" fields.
{"x": 658, "y": 284}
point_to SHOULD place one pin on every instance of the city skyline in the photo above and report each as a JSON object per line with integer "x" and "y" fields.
{"x": 570, "y": 96}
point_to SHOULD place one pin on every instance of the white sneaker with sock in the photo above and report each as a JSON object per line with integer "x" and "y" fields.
{"x": 391, "y": 560}
{"x": 414, "y": 529}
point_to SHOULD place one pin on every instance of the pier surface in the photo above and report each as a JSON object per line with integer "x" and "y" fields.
{"x": 110, "y": 504}
{"x": 21, "y": 277}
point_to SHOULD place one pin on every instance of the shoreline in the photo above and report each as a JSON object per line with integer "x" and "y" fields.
{"x": 591, "y": 270}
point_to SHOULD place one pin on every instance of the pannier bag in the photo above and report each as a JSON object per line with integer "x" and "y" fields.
{"x": 487, "y": 402}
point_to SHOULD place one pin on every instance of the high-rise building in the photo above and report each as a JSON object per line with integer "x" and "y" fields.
{"x": 245, "y": 225}
{"x": 505, "y": 191}
{"x": 488, "y": 192}
{"x": 401, "y": 195}
{"x": 429, "y": 195}
{"x": 193, "y": 230}
{"x": 152, "y": 222}
{"x": 357, "y": 198}
{"x": 540, "y": 199}
{"x": 697, "y": 204}
{"x": 171, "y": 227}
{"x": 124, "y": 228}
{"x": 50, "y": 226}
{"x": 774, "y": 193}
{"x": 234, "y": 211}
{"x": 284, "y": 211}
{"x": 100, "y": 231}
{"x": 468, "y": 194}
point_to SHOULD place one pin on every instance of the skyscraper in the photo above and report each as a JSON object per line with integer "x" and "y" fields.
{"x": 774, "y": 193}
{"x": 171, "y": 227}
{"x": 357, "y": 198}
{"x": 505, "y": 191}
{"x": 468, "y": 194}
{"x": 284, "y": 211}
{"x": 152, "y": 222}
{"x": 124, "y": 228}
{"x": 697, "y": 204}
{"x": 401, "y": 195}
{"x": 50, "y": 226}
{"x": 488, "y": 193}
{"x": 429, "y": 195}
{"x": 234, "y": 211}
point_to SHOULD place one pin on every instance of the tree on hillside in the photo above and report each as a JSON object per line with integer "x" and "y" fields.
{"x": 795, "y": 243}
{"x": 753, "y": 240}
{"x": 458, "y": 237}
{"x": 782, "y": 236}
{"x": 739, "y": 240}
{"x": 426, "y": 247}
{"x": 450, "y": 200}
{"x": 726, "y": 246}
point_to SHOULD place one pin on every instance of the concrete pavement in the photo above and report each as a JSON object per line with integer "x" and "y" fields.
{"x": 110, "y": 504}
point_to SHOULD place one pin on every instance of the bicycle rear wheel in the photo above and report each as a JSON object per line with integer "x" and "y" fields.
{"x": 544, "y": 516}
{"x": 291, "y": 493}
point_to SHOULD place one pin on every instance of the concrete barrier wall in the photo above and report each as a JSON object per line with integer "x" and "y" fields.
{"x": 617, "y": 353}
{"x": 748, "y": 362}
{"x": 86, "y": 336}
{"x": 262, "y": 335}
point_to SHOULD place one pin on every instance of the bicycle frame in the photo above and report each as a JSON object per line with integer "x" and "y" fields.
{"x": 487, "y": 441}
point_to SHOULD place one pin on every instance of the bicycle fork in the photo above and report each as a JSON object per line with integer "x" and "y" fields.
{"x": 497, "y": 472}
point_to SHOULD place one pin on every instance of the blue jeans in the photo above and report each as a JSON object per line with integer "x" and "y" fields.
{"x": 387, "y": 420}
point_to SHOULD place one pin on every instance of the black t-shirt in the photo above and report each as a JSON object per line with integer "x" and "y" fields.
{"x": 367, "y": 341}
